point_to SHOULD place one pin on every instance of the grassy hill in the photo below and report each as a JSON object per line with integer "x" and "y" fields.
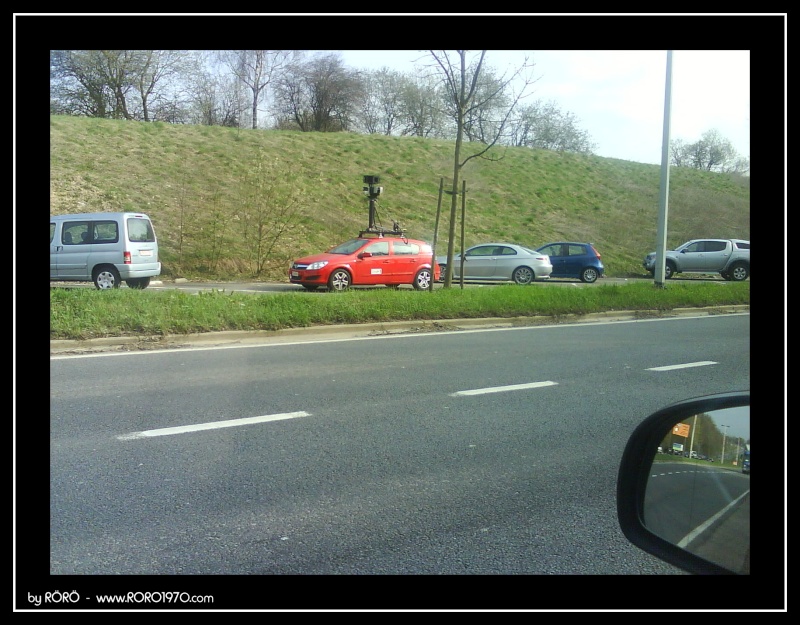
{"x": 241, "y": 204}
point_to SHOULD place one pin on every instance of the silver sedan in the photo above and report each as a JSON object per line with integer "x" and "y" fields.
{"x": 499, "y": 262}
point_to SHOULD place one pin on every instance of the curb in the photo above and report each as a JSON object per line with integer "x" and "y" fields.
{"x": 206, "y": 339}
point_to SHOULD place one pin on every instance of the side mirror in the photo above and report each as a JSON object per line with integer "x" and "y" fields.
{"x": 683, "y": 488}
{"x": 364, "y": 255}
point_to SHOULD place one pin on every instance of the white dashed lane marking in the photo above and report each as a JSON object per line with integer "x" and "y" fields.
{"x": 701, "y": 363}
{"x": 214, "y": 425}
{"x": 502, "y": 389}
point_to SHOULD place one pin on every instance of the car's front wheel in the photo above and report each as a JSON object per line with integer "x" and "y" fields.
{"x": 669, "y": 270}
{"x": 106, "y": 278}
{"x": 523, "y": 275}
{"x": 589, "y": 275}
{"x": 422, "y": 280}
{"x": 442, "y": 272}
{"x": 340, "y": 280}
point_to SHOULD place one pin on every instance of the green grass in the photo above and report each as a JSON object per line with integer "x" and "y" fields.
{"x": 179, "y": 175}
{"x": 695, "y": 462}
{"x": 89, "y": 313}
{"x": 191, "y": 181}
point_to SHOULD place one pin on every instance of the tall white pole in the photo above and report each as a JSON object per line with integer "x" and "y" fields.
{"x": 724, "y": 432}
{"x": 694, "y": 429}
{"x": 663, "y": 196}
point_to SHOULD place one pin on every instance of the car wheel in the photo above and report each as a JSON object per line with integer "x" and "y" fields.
{"x": 422, "y": 280}
{"x": 106, "y": 278}
{"x": 669, "y": 270}
{"x": 523, "y": 275}
{"x": 339, "y": 281}
{"x": 589, "y": 275}
{"x": 739, "y": 272}
{"x": 138, "y": 283}
{"x": 442, "y": 272}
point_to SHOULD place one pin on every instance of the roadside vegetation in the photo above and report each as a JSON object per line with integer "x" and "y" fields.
{"x": 240, "y": 204}
{"x": 87, "y": 313}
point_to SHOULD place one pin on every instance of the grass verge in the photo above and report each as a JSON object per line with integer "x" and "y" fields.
{"x": 88, "y": 313}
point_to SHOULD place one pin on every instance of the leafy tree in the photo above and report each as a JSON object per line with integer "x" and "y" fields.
{"x": 545, "y": 126}
{"x": 379, "y": 109}
{"x": 119, "y": 68}
{"x": 78, "y": 84}
{"x": 421, "y": 107}
{"x": 711, "y": 153}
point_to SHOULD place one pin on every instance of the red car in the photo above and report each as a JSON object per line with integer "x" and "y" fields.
{"x": 388, "y": 260}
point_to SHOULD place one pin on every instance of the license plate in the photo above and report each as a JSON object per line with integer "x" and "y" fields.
{"x": 145, "y": 252}
{"x": 295, "y": 274}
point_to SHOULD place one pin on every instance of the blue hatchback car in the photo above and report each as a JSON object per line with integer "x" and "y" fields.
{"x": 574, "y": 260}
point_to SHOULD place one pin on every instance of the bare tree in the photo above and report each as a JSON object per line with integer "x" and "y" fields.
{"x": 318, "y": 96}
{"x": 270, "y": 200}
{"x": 741, "y": 166}
{"x": 214, "y": 95}
{"x": 467, "y": 94}
{"x": 256, "y": 69}
{"x": 481, "y": 121}
{"x": 155, "y": 71}
{"x": 678, "y": 153}
{"x": 119, "y": 84}
{"x": 204, "y": 99}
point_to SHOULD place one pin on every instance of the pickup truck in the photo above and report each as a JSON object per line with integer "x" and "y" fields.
{"x": 730, "y": 258}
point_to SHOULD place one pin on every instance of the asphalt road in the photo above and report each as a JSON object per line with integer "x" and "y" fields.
{"x": 387, "y": 464}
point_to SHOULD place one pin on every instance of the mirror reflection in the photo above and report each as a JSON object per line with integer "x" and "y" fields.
{"x": 698, "y": 492}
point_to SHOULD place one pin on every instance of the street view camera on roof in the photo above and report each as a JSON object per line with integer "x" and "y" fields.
{"x": 372, "y": 191}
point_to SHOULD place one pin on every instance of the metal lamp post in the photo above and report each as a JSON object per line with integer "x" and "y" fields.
{"x": 724, "y": 432}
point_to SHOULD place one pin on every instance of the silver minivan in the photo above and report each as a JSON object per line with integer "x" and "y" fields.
{"x": 104, "y": 248}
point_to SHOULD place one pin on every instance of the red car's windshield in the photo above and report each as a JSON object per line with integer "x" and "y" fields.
{"x": 348, "y": 247}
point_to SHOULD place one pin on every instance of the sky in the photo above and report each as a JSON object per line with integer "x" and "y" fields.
{"x": 737, "y": 420}
{"x": 618, "y": 96}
